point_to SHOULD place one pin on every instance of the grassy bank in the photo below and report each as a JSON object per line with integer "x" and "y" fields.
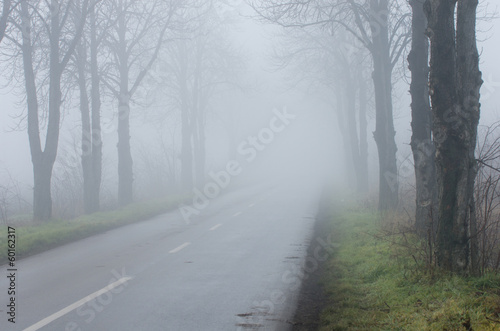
{"x": 32, "y": 239}
{"x": 373, "y": 285}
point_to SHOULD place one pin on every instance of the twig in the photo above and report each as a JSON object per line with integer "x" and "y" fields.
{"x": 487, "y": 165}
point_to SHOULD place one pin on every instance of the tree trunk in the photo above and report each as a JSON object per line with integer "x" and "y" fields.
{"x": 96, "y": 117}
{"x": 86, "y": 131}
{"x": 187, "y": 126}
{"x": 350, "y": 176}
{"x": 125, "y": 166}
{"x": 350, "y": 93}
{"x": 42, "y": 198}
{"x": 384, "y": 132}
{"x": 199, "y": 152}
{"x": 470, "y": 81}
{"x": 363, "y": 136}
{"x": 421, "y": 143}
{"x": 455, "y": 81}
{"x": 43, "y": 161}
{"x": 198, "y": 117}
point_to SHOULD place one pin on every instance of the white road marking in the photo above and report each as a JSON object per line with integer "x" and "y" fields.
{"x": 175, "y": 250}
{"x": 251, "y": 205}
{"x": 77, "y": 304}
{"x": 237, "y": 214}
{"x": 215, "y": 227}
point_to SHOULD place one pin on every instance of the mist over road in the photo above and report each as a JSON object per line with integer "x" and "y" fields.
{"x": 236, "y": 266}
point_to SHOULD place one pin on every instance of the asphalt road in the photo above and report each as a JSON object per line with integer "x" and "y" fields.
{"x": 236, "y": 266}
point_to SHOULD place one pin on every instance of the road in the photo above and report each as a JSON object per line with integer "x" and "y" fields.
{"x": 236, "y": 266}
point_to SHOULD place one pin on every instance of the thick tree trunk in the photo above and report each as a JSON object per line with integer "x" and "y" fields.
{"x": 195, "y": 119}
{"x": 187, "y": 126}
{"x": 455, "y": 81}
{"x": 350, "y": 93}
{"x": 199, "y": 150}
{"x": 340, "y": 111}
{"x": 384, "y": 132}
{"x": 186, "y": 151}
{"x": 363, "y": 134}
{"x": 96, "y": 118}
{"x": 43, "y": 161}
{"x": 125, "y": 166}
{"x": 469, "y": 81}
{"x": 197, "y": 114}
{"x": 86, "y": 132}
{"x": 421, "y": 141}
{"x": 42, "y": 198}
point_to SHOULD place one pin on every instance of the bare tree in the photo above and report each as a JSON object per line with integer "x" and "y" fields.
{"x": 421, "y": 140}
{"x": 134, "y": 42}
{"x": 47, "y": 37}
{"x": 382, "y": 27}
{"x": 194, "y": 69}
{"x": 326, "y": 58}
{"x": 455, "y": 80}
{"x": 87, "y": 64}
{"x": 6, "y": 9}
{"x": 487, "y": 197}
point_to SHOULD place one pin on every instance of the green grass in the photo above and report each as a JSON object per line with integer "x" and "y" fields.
{"x": 372, "y": 285}
{"x": 32, "y": 239}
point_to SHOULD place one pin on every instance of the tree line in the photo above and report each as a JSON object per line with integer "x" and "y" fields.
{"x": 445, "y": 84}
{"x": 73, "y": 54}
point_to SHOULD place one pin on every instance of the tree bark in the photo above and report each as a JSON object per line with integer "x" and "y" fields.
{"x": 384, "y": 128}
{"x": 421, "y": 140}
{"x": 125, "y": 166}
{"x": 470, "y": 81}
{"x": 94, "y": 205}
{"x": 91, "y": 121}
{"x": 363, "y": 136}
{"x": 455, "y": 81}
{"x": 187, "y": 126}
{"x": 197, "y": 116}
{"x": 88, "y": 172}
{"x": 340, "y": 111}
{"x": 350, "y": 93}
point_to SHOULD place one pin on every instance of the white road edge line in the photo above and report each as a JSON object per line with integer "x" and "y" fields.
{"x": 237, "y": 214}
{"x": 175, "y": 250}
{"x": 77, "y": 304}
{"x": 215, "y": 227}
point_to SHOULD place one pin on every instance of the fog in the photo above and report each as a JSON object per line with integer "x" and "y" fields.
{"x": 193, "y": 145}
{"x": 238, "y": 109}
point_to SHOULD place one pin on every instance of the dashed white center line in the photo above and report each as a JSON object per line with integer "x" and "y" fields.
{"x": 251, "y": 205}
{"x": 215, "y": 227}
{"x": 77, "y": 304}
{"x": 175, "y": 250}
{"x": 237, "y": 214}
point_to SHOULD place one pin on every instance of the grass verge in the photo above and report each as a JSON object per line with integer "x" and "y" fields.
{"x": 32, "y": 239}
{"x": 373, "y": 285}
